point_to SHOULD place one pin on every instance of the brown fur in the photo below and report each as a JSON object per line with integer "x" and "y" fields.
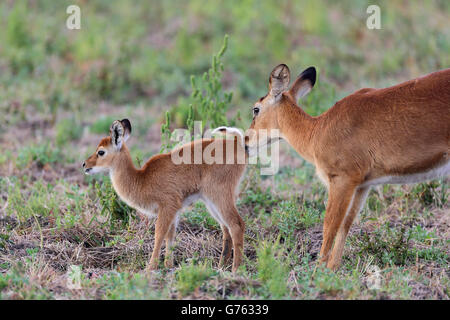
{"x": 371, "y": 134}
{"x": 162, "y": 185}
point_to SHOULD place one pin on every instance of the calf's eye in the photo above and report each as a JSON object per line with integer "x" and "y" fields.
{"x": 101, "y": 153}
{"x": 255, "y": 111}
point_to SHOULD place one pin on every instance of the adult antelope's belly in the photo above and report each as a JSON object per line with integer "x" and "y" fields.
{"x": 434, "y": 173}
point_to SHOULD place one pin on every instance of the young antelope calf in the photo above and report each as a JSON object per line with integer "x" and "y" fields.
{"x": 162, "y": 187}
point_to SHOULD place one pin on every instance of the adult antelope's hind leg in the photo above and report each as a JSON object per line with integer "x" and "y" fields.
{"x": 339, "y": 200}
{"x": 163, "y": 223}
{"x": 226, "y": 247}
{"x": 338, "y": 247}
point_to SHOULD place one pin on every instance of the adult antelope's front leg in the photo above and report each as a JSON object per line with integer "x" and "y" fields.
{"x": 338, "y": 247}
{"x": 340, "y": 197}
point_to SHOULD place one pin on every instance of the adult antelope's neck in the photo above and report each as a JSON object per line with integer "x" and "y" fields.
{"x": 297, "y": 127}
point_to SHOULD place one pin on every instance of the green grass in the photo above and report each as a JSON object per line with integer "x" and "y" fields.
{"x": 272, "y": 269}
{"x": 190, "y": 276}
{"x": 41, "y": 154}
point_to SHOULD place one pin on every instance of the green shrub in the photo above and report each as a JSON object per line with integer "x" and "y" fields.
{"x": 429, "y": 193}
{"x": 272, "y": 270}
{"x": 190, "y": 276}
{"x": 288, "y": 217}
{"x": 200, "y": 216}
{"x": 208, "y": 102}
{"x": 111, "y": 206}
{"x": 387, "y": 244}
{"x": 124, "y": 286}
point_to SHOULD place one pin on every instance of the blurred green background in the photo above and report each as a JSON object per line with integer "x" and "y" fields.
{"x": 131, "y": 52}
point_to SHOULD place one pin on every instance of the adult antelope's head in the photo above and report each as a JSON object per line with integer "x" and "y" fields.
{"x": 266, "y": 109}
{"x": 109, "y": 148}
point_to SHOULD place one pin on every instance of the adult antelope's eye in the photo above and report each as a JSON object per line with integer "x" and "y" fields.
{"x": 101, "y": 153}
{"x": 255, "y": 111}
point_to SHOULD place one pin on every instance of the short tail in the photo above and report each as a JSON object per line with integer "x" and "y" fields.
{"x": 231, "y": 131}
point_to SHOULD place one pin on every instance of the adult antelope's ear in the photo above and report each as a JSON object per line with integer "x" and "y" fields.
{"x": 127, "y": 128}
{"x": 279, "y": 80}
{"x": 117, "y": 131}
{"x": 304, "y": 83}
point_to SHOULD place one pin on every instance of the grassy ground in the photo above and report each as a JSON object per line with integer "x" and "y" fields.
{"x": 66, "y": 236}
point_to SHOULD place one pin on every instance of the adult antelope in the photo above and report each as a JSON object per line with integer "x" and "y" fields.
{"x": 395, "y": 135}
{"x": 163, "y": 187}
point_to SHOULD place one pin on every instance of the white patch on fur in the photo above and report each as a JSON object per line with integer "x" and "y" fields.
{"x": 322, "y": 176}
{"x": 230, "y": 130}
{"x": 303, "y": 91}
{"x": 191, "y": 199}
{"x": 236, "y": 190}
{"x": 360, "y": 206}
{"x": 271, "y": 99}
{"x": 214, "y": 211}
{"x": 150, "y": 209}
{"x": 434, "y": 173}
{"x": 95, "y": 170}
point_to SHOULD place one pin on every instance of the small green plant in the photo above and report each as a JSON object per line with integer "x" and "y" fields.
{"x": 190, "y": 276}
{"x": 428, "y": 193}
{"x": 111, "y": 205}
{"x": 125, "y": 286}
{"x": 272, "y": 270}
{"x": 262, "y": 201}
{"x": 166, "y": 144}
{"x": 16, "y": 284}
{"x": 389, "y": 245}
{"x": 200, "y": 216}
{"x": 289, "y": 216}
{"x": 4, "y": 239}
{"x": 208, "y": 102}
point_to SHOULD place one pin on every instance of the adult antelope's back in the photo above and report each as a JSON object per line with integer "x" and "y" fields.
{"x": 399, "y": 134}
